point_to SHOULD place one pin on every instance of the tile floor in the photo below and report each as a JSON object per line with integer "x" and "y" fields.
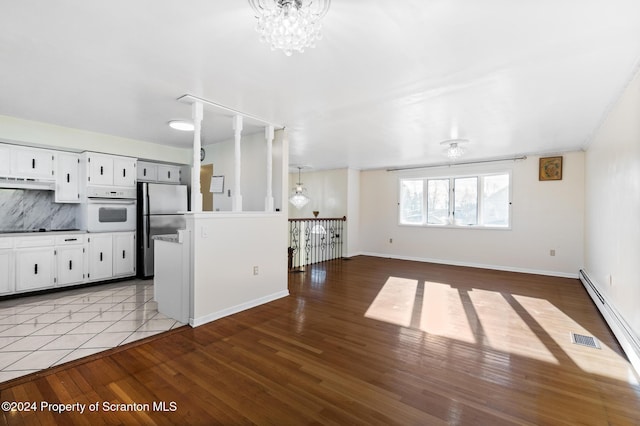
{"x": 38, "y": 332}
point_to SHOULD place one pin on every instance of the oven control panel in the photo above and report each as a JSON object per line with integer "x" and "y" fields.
{"x": 110, "y": 192}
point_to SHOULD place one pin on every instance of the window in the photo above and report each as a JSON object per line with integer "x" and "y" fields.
{"x": 411, "y": 199}
{"x": 458, "y": 201}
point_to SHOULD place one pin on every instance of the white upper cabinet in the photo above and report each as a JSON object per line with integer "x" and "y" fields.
{"x": 109, "y": 170}
{"x": 155, "y": 172}
{"x": 29, "y": 163}
{"x": 124, "y": 171}
{"x": 67, "y": 178}
{"x": 99, "y": 169}
{"x": 168, "y": 173}
{"x": 147, "y": 172}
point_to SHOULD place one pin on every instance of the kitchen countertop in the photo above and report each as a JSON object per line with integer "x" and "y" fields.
{"x": 39, "y": 234}
{"x": 170, "y": 238}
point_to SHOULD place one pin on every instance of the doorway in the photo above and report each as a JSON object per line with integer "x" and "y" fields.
{"x": 206, "y": 171}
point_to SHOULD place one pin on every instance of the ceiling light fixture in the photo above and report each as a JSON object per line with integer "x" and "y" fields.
{"x": 290, "y": 24}
{"x": 299, "y": 194}
{"x": 185, "y": 126}
{"x": 454, "y": 151}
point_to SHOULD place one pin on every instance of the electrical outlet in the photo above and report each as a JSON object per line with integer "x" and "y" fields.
{"x": 255, "y": 270}
{"x": 552, "y": 252}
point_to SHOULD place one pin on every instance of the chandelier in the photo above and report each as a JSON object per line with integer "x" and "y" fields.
{"x": 299, "y": 194}
{"x": 290, "y": 24}
{"x": 454, "y": 151}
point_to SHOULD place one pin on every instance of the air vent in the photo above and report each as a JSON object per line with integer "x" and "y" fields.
{"x": 581, "y": 339}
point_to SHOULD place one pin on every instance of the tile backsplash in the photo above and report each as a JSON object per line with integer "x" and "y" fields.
{"x": 27, "y": 209}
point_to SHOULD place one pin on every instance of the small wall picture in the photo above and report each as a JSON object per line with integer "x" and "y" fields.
{"x": 217, "y": 184}
{"x": 550, "y": 168}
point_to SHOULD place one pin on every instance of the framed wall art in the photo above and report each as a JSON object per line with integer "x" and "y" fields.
{"x": 217, "y": 184}
{"x": 550, "y": 168}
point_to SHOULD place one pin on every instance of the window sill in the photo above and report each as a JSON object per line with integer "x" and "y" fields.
{"x": 477, "y": 227}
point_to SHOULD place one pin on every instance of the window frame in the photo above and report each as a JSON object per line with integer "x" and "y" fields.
{"x": 480, "y": 200}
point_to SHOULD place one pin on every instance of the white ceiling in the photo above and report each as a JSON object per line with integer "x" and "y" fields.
{"x": 389, "y": 81}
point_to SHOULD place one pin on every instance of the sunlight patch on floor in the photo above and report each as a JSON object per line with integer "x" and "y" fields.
{"x": 507, "y": 330}
{"x": 443, "y": 313}
{"x": 590, "y": 360}
{"x": 394, "y": 302}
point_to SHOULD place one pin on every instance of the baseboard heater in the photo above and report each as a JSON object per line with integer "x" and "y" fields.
{"x": 626, "y": 337}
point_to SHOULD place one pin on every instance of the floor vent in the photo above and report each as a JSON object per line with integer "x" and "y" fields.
{"x": 581, "y": 339}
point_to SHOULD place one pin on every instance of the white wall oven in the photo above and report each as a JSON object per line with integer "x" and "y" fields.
{"x": 108, "y": 210}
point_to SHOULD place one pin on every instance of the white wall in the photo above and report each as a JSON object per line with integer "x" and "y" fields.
{"x": 33, "y": 133}
{"x": 545, "y": 215}
{"x": 353, "y": 213}
{"x": 253, "y": 171}
{"x": 334, "y": 194}
{"x": 225, "y": 249}
{"x": 328, "y": 191}
{"x": 612, "y": 224}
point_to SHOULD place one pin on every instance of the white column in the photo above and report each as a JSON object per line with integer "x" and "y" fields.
{"x": 268, "y": 202}
{"x": 196, "y": 196}
{"x": 284, "y": 173}
{"x": 236, "y": 199}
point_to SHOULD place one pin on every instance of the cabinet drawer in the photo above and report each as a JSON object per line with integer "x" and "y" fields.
{"x": 25, "y": 242}
{"x": 6, "y": 243}
{"x": 65, "y": 240}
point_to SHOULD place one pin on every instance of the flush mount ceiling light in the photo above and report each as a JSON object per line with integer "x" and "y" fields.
{"x": 183, "y": 125}
{"x": 290, "y": 24}
{"x": 299, "y": 194}
{"x": 454, "y": 151}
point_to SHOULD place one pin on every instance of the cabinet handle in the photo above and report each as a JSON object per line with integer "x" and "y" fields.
{"x": 101, "y": 170}
{"x": 124, "y": 172}
{"x": 70, "y": 265}
{"x": 71, "y": 239}
{"x": 33, "y": 163}
{"x": 35, "y": 269}
{"x": 100, "y": 256}
{"x": 169, "y": 174}
{"x": 123, "y": 254}
{"x": 144, "y": 172}
{"x": 68, "y": 178}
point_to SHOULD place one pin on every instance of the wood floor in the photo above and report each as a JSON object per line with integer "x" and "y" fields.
{"x": 362, "y": 341}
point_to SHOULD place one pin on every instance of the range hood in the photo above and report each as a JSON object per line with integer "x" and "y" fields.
{"x": 21, "y": 183}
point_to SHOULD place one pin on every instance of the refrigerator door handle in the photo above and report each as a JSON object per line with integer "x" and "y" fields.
{"x": 148, "y": 221}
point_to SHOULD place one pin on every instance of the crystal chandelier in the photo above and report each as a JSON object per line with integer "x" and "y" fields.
{"x": 299, "y": 194}
{"x": 290, "y": 24}
{"x": 454, "y": 151}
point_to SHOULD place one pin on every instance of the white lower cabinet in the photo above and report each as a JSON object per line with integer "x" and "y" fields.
{"x": 31, "y": 263}
{"x": 7, "y": 285}
{"x": 100, "y": 257}
{"x": 35, "y": 268}
{"x": 124, "y": 254}
{"x": 70, "y": 260}
{"x": 70, "y": 265}
{"x": 111, "y": 255}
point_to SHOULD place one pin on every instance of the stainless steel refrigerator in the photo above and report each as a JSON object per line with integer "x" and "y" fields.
{"x": 158, "y": 207}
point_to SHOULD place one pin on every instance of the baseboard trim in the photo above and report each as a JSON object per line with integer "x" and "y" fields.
{"x": 629, "y": 342}
{"x": 195, "y": 322}
{"x": 476, "y": 265}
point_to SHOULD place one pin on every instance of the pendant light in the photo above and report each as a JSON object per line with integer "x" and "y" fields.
{"x": 299, "y": 194}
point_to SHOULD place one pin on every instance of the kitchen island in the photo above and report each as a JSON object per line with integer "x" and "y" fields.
{"x": 171, "y": 287}
{"x": 221, "y": 264}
